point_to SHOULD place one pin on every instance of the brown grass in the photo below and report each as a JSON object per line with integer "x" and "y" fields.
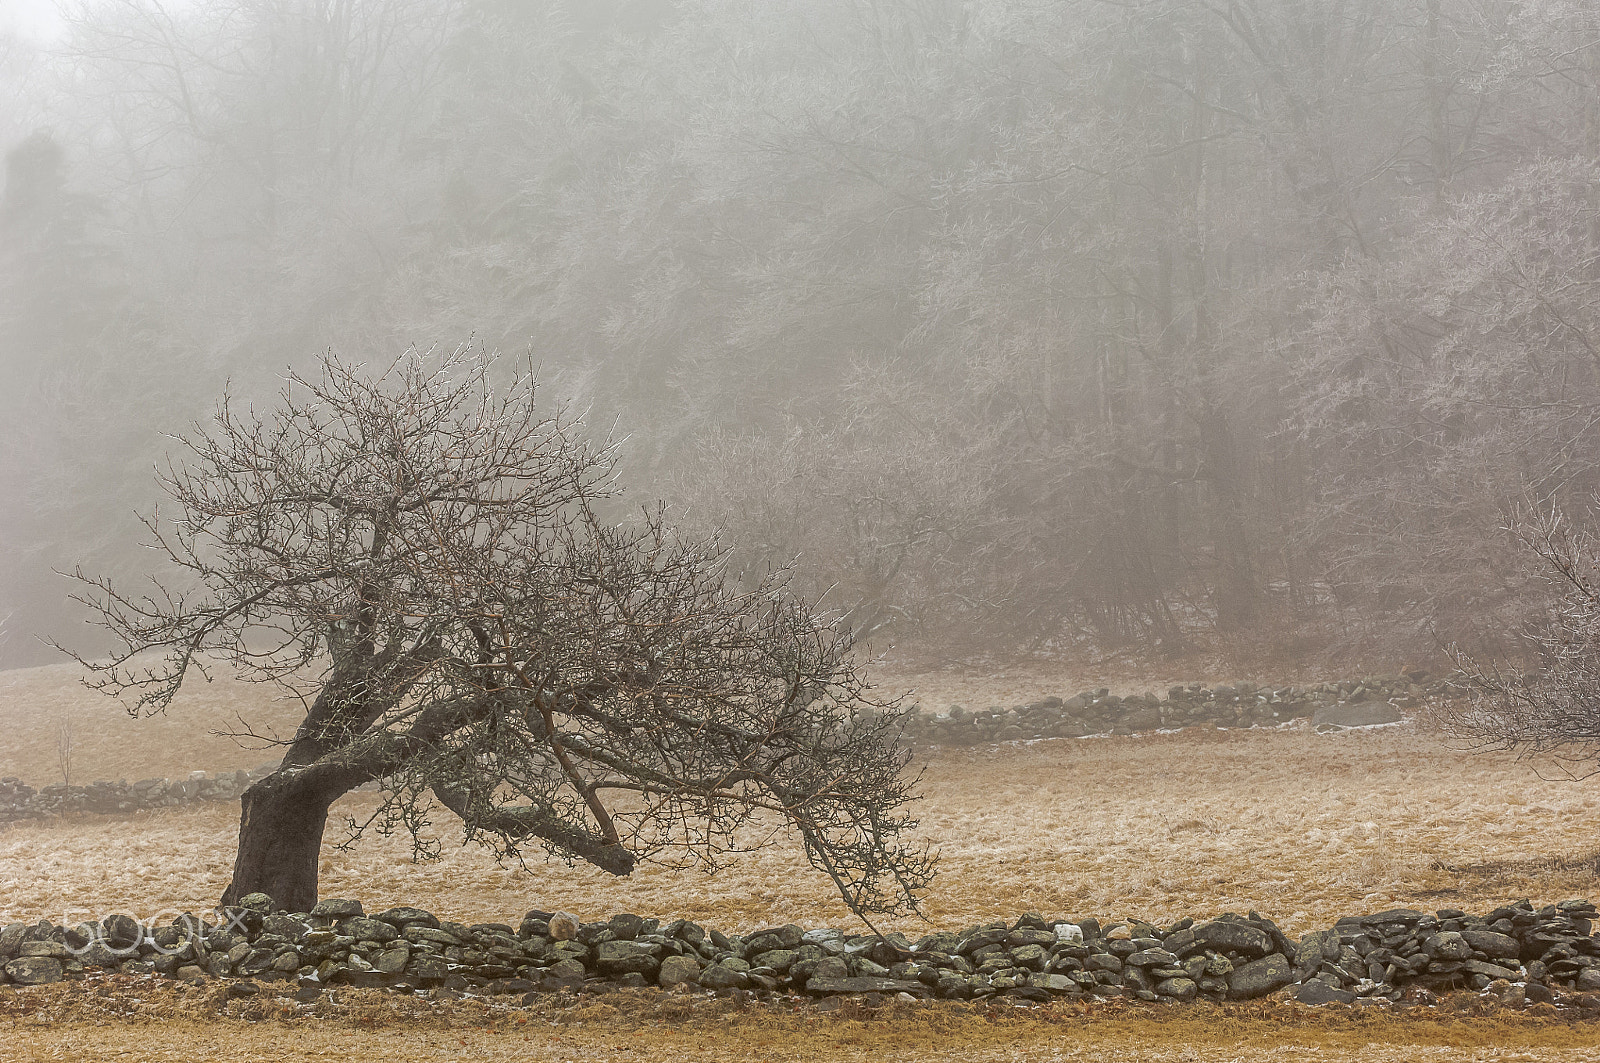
{"x": 1302, "y": 826}
{"x": 160, "y": 1021}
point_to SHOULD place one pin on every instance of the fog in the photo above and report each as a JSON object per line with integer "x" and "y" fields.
{"x": 1023, "y": 324}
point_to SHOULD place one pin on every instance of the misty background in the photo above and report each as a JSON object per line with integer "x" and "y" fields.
{"x": 1037, "y": 324}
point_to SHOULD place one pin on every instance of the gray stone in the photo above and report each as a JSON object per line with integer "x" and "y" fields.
{"x": 417, "y": 934}
{"x": 1151, "y": 958}
{"x": 119, "y": 931}
{"x": 1493, "y": 945}
{"x": 1318, "y": 992}
{"x": 337, "y": 908}
{"x": 1235, "y": 937}
{"x": 565, "y": 974}
{"x": 564, "y": 926}
{"x": 1031, "y": 956}
{"x": 1260, "y": 977}
{"x": 832, "y": 986}
{"x": 393, "y": 960}
{"x": 783, "y": 937}
{"x": 1447, "y": 946}
{"x": 779, "y": 960}
{"x": 1406, "y": 916}
{"x": 676, "y": 970}
{"x": 34, "y": 970}
{"x": 1316, "y": 947}
{"x": 720, "y": 976}
{"x": 259, "y": 903}
{"x": 403, "y": 917}
{"x": 626, "y": 926}
{"x": 53, "y": 949}
{"x": 1490, "y": 971}
{"x": 11, "y": 939}
{"x": 1179, "y": 989}
{"x": 1356, "y": 714}
{"x": 628, "y": 957}
{"x": 363, "y": 929}
{"x": 431, "y": 970}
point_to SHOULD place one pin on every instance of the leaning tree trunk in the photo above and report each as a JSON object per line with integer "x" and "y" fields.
{"x": 280, "y": 842}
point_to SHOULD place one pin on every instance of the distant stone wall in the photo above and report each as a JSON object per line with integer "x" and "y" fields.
{"x": 1516, "y": 955}
{"x": 1353, "y": 703}
{"x": 20, "y": 801}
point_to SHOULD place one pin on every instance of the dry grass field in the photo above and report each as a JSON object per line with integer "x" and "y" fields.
{"x": 1304, "y": 827}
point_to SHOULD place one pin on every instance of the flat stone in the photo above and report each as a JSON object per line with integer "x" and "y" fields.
{"x": 403, "y": 917}
{"x": 1234, "y": 937}
{"x": 1490, "y": 970}
{"x": 34, "y": 970}
{"x": 364, "y": 929}
{"x": 1493, "y": 945}
{"x": 337, "y": 908}
{"x": 53, "y": 949}
{"x": 1406, "y": 916}
{"x": 1151, "y": 958}
{"x": 628, "y": 957}
{"x": 1260, "y": 977}
{"x": 833, "y": 986}
{"x": 1318, "y": 992}
{"x": 417, "y": 934}
{"x": 789, "y": 936}
{"x": 285, "y": 926}
{"x": 1055, "y": 983}
{"x": 1357, "y": 714}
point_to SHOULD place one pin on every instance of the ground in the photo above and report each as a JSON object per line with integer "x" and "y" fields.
{"x": 1303, "y": 827}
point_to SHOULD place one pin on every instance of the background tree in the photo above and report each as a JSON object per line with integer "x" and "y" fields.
{"x": 1548, "y": 708}
{"x": 428, "y": 562}
{"x": 1134, "y": 257}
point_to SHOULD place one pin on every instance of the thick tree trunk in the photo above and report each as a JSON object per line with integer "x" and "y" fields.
{"x": 280, "y": 842}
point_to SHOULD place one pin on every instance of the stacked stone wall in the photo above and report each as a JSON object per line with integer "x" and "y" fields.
{"x": 1519, "y": 954}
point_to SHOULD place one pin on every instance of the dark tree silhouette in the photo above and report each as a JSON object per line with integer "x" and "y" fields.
{"x": 423, "y": 558}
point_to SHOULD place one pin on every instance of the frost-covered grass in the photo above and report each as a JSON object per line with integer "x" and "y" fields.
{"x": 1301, "y": 826}
{"x": 1304, "y": 827}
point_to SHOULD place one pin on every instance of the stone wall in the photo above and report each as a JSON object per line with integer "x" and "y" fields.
{"x": 1518, "y": 954}
{"x": 1353, "y": 703}
{"x": 21, "y": 801}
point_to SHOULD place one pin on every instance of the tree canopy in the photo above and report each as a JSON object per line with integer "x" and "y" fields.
{"x": 439, "y": 569}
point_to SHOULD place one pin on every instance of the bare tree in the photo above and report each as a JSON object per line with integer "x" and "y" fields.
{"x": 1551, "y": 707}
{"x": 423, "y": 558}
{"x": 65, "y": 733}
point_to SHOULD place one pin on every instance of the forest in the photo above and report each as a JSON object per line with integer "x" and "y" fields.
{"x": 1044, "y": 325}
